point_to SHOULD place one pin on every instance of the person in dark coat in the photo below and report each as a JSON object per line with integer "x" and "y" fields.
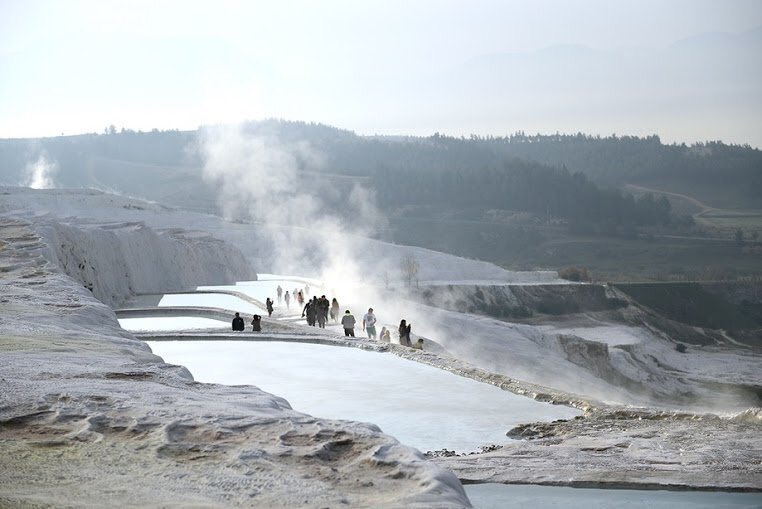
{"x": 256, "y": 323}
{"x": 310, "y": 310}
{"x": 269, "y": 305}
{"x": 322, "y": 316}
{"x": 238, "y": 324}
{"x": 404, "y": 332}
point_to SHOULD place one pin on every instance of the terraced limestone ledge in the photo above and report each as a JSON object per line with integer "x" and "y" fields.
{"x": 89, "y": 417}
{"x": 625, "y": 448}
{"x": 610, "y": 446}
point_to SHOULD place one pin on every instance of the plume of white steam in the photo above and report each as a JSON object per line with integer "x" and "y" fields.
{"x": 259, "y": 178}
{"x": 279, "y": 186}
{"x": 39, "y": 174}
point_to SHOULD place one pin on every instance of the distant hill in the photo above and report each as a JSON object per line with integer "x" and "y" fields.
{"x": 721, "y": 175}
{"x": 514, "y": 200}
{"x": 728, "y": 176}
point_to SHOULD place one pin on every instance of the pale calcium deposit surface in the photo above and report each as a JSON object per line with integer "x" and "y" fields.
{"x": 621, "y": 447}
{"x": 90, "y": 417}
{"x": 257, "y": 242}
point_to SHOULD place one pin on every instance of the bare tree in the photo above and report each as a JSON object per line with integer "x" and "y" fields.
{"x": 409, "y": 268}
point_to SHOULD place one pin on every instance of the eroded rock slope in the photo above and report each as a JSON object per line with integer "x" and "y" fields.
{"x": 89, "y": 417}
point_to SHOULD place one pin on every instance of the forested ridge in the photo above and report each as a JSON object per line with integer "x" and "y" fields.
{"x": 522, "y": 186}
{"x": 574, "y": 177}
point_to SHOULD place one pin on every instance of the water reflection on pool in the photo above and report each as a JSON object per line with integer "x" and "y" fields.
{"x": 420, "y": 405}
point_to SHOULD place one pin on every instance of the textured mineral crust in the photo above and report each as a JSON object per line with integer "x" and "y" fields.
{"x": 89, "y": 417}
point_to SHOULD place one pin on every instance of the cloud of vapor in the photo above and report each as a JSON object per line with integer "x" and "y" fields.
{"x": 39, "y": 174}
{"x": 317, "y": 225}
{"x": 307, "y": 215}
{"x": 311, "y": 223}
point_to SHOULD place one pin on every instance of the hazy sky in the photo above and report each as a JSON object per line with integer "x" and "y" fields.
{"x": 369, "y": 66}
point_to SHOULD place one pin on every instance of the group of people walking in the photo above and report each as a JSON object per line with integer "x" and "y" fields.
{"x": 297, "y": 295}
{"x": 368, "y": 323}
{"x": 317, "y": 309}
{"x": 369, "y": 326}
{"x": 238, "y": 325}
{"x": 317, "y": 312}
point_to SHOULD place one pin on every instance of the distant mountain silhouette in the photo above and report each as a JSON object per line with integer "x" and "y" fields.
{"x": 694, "y": 83}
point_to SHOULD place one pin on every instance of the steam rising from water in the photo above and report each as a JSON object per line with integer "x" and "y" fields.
{"x": 39, "y": 174}
{"x": 307, "y": 215}
{"x": 286, "y": 189}
{"x": 314, "y": 224}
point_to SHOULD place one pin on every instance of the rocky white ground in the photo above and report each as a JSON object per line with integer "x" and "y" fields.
{"x": 259, "y": 243}
{"x": 596, "y": 361}
{"x": 636, "y": 366}
{"x": 627, "y": 448}
{"x": 90, "y": 417}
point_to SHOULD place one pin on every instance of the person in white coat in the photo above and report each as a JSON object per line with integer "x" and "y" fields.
{"x": 369, "y": 323}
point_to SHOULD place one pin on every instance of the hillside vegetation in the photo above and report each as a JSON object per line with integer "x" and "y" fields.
{"x": 624, "y": 207}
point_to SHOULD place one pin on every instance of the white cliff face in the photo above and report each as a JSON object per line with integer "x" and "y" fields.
{"x": 262, "y": 245}
{"x": 90, "y": 417}
{"x": 118, "y": 260}
{"x": 602, "y": 359}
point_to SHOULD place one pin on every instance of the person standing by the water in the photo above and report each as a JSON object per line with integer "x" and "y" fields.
{"x": 287, "y": 298}
{"x": 311, "y": 311}
{"x": 256, "y": 323}
{"x": 238, "y": 324}
{"x": 335, "y": 310}
{"x": 404, "y": 332}
{"x": 280, "y": 293}
{"x": 348, "y": 322}
{"x": 269, "y": 305}
{"x": 322, "y": 306}
{"x": 369, "y": 323}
